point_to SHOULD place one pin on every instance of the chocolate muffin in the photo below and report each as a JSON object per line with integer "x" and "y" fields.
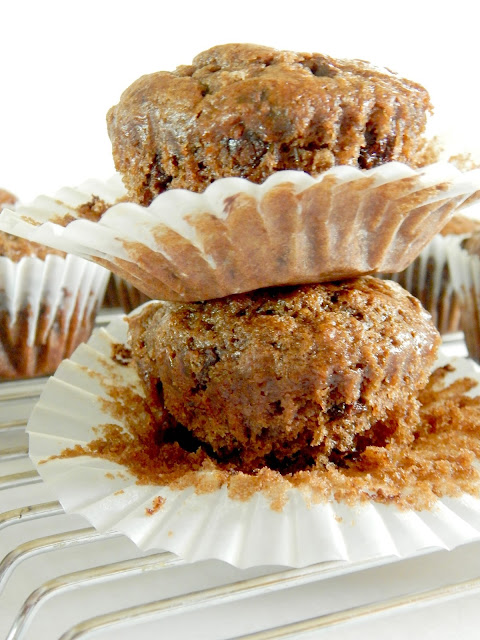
{"x": 287, "y": 377}
{"x": 247, "y": 110}
{"x": 429, "y": 279}
{"x": 464, "y": 264}
{"x": 48, "y": 304}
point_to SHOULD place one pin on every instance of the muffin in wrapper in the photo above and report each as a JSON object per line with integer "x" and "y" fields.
{"x": 120, "y": 293}
{"x": 464, "y": 264}
{"x": 47, "y": 308}
{"x": 429, "y": 278}
{"x": 198, "y": 525}
{"x": 238, "y": 236}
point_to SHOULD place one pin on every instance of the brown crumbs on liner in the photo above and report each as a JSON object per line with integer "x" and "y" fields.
{"x": 31, "y": 221}
{"x": 441, "y": 461}
{"x": 121, "y": 354}
{"x": 157, "y": 504}
{"x": 62, "y": 221}
{"x": 94, "y": 209}
{"x": 109, "y": 366}
{"x": 119, "y": 492}
{"x": 110, "y": 476}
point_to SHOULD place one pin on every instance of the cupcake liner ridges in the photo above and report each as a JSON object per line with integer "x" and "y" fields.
{"x": 47, "y": 308}
{"x": 120, "y": 293}
{"x": 238, "y": 236}
{"x": 465, "y": 270}
{"x": 213, "y": 525}
{"x": 428, "y": 278}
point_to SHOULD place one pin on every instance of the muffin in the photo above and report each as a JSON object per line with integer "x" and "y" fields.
{"x": 287, "y": 377}
{"x": 261, "y": 189}
{"x": 429, "y": 279}
{"x": 48, "y": 304}
{"x": 120, "y": 293}
{"x": 235, "y": 111}
{"x": 464, "y": 264}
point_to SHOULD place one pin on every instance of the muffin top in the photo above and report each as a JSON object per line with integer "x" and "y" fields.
{"x": 247, "y": 110}
{"x": 16, "y": 248}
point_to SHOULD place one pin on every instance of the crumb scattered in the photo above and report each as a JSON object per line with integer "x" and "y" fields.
{"x": 441, "y": 461}
{"x": 121, "y": 354}
{"x": 157, "y": 504}
{"x": 31, "y": 221}
{"x": 94, "y": 209}
{"x": 170, "y": 534}
{"x": 464, "y": 161}
{"x": 119, "y": 492}
{"x": 110, "y": 476}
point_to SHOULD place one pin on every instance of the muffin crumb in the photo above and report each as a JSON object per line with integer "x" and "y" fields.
{"x": 157, "y": 504}
{"x": 441, "y": 460}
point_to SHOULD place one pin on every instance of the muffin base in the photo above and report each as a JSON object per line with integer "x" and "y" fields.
{"x": 206, "y": 522}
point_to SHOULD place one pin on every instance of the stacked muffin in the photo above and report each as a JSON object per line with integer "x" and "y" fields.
{"x": 294, "y": 376}
{"x": 265, "y": 186}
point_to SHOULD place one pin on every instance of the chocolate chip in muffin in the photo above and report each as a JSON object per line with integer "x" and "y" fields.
{"x": 245, "y": 110}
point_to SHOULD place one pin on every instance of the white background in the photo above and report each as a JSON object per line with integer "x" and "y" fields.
{"x": 63, "y": 64}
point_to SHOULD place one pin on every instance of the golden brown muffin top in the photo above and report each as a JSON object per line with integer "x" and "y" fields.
{"x": 248, "y": 110}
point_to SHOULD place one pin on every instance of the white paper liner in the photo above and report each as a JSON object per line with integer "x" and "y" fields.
{"x": 122, "y": 294}
{"x": 465, "y": 270}
{"x": 198, "y": 527}
{"x": 239, "y": 236}
{"x": 47, "y": 307}
{"x": 429, "y": 279}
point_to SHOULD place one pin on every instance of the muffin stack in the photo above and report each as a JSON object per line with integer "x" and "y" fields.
{"x": 263, "y": 187}
{"x": 284, "y": 377}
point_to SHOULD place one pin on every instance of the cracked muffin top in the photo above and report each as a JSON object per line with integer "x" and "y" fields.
{"x": 246, "y": 110}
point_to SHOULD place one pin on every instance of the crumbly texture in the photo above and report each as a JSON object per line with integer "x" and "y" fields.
{"x": 94, "y": 209}
{"x": 247, "y": 110}
{"x": 6, "y": 198}
{"x": 287, "y": 377}
{"x": 440, "y": 461}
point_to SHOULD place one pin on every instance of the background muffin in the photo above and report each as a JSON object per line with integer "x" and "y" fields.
{"x": 237, "y": 111}
{"x": 429, "y": 277}
{"x": 120, "y": 293}
{"x": 48, "y": 304}
{"x": 464, "y": 264}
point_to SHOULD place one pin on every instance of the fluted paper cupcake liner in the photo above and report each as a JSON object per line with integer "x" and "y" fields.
{"x": 238, "y": 236}
{"x": 122, "y": 294}
{"x": 47, "y": 307}
{"x": 465, "y": 270}
{"x": 428, "y": 278}
{"x": 213, "y": 525}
